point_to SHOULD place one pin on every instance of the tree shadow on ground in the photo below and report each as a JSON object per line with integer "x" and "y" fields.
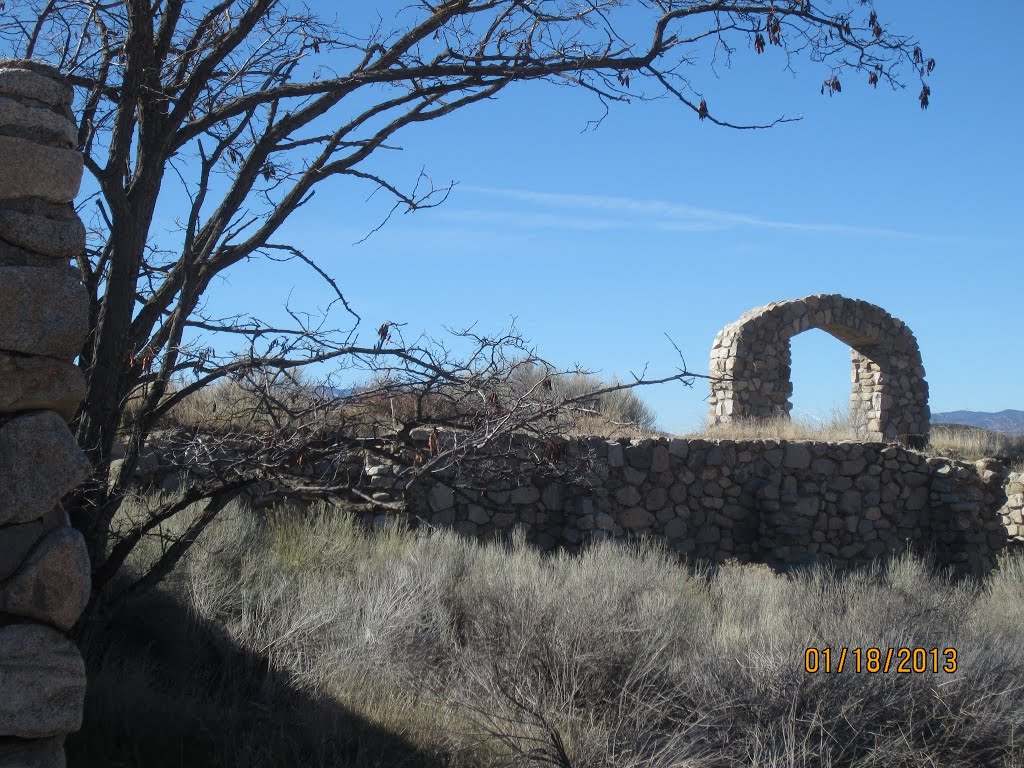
{"x": 168, "y": 690}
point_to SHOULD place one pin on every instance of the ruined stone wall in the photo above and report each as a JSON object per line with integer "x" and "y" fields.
{"x": 1012, "y": 512}
{"x": 44, "y": 567}
{"x": 784, "y": 503}
{"x": 778, "y": 502}
{"x": 751, "y": 359}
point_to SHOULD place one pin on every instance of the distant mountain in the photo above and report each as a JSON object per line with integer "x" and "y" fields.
{"x": 1008, "y": 421}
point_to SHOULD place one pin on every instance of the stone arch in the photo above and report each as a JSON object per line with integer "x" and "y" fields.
{"x": 750, "y": 365}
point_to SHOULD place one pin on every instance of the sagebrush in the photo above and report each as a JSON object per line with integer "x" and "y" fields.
{"x": 305, "y": 639}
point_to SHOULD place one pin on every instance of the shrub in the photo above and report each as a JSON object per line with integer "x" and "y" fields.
{"x": 310, "y": 639}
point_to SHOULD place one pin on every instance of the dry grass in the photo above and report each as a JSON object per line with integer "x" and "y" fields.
{"x": 229, "y": 406}
{"x": 838, "y": 426}
{"x": 967, "y": 443}
{"x": 223, "y": 406}
{"x": 306, "y": 640}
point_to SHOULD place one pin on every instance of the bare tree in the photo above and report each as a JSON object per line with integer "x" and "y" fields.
{"x": 249, "y": 106}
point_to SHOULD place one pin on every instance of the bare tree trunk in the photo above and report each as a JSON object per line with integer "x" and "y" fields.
{"x": 108, "y": 384}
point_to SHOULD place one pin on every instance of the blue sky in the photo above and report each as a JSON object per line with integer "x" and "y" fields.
{"x": 602, "y": 242}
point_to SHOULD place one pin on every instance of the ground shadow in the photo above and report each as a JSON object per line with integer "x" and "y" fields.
{"x": 169, "y": 690}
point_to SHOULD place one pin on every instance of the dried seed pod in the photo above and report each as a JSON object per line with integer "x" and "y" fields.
{"x": 495, "y": 403}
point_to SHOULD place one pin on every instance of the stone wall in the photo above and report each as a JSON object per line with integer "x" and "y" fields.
{"x": 1012, "y": 513}
{"x": 784, "y": 503}
{"x": 44, "y": 568}
{"x": 750, "y": 365}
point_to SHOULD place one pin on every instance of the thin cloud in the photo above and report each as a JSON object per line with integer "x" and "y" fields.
{"x": 661, "y": 215}
{"x": 544, "y": 220}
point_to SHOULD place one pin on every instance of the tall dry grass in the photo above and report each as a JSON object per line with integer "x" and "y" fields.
{"x": 967, "y": 443}
{"x": 307, "y": 640}
{"x": 837, "y": 426}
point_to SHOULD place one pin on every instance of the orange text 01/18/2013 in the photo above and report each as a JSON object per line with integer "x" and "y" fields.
{"x": 871, "y": 660}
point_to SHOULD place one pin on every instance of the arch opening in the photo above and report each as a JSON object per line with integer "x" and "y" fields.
{"x": 822, "y": 381}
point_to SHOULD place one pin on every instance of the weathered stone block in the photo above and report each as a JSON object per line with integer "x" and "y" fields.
{"x": 16, "y": 541}
{"x": 678, "y": 448}
{"x": 823, "y": 467}
{"x": 45, "y": 311}
{"x": 39, "y": 462}
{"x": 797, "y": 456}
{"x": 36, "y": 170}
{"x": 636, "y": 517}
{"x": 53, "y": 584}
{"x": 852, "y": 467}
{"x": 42, "y": 677}
{"x": 440, "y": 497}
{"x": 675, "y": 529}
{"x": 50, "y": 229}
{"x": 37, "y": 124}
{"x": 34, "y": 80}
{"x": 627, "y": 496}
{"x": 639, "y": 456}
{"x": 659, "y": 458}
{"x": 656, "y": 499}
{"x": 615, "y": 455}
{"x": 40, "y": 384}
{"x": 477, "y": 514}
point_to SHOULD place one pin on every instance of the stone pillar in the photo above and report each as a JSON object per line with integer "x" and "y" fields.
{"x": 44, "y": 566}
